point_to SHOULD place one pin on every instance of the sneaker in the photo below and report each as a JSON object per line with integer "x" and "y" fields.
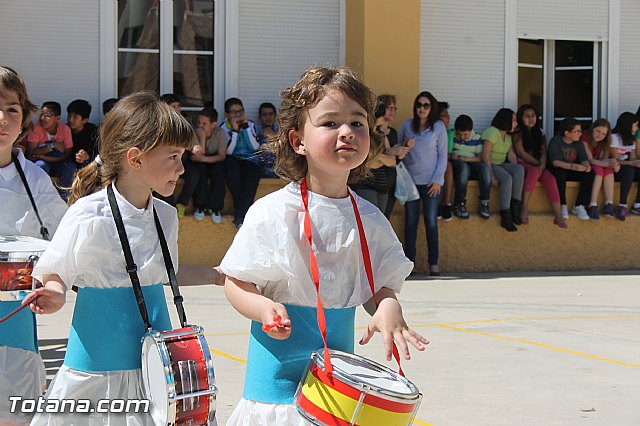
{"x": 237, "y": 223}
{"x": 180, "y": 208}
{"x": 581, "y": 212}
{"x": 621, "y": 213}
{"x": 446, "y": 213}
{"x": 609, "y": 210}
{"x": 593, "y": 213}
{"x": 460, "y": 210}
{"x": 484, "y": 210}
{"x": 198, "y": 215}
{"x": 216, "y": 217}
{"x": 635, "y": 210}
{"x": 564, "y": 212}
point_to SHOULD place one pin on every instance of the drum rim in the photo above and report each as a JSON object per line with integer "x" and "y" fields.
{"x": 318, "y": 358}
{"x": 206, "y": 353}
{"x": 161, "y": 338}
{"x": 160, "y": 345}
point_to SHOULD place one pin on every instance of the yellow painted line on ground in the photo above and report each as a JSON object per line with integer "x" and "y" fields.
{"x": 228, "y": 356}
{"x": 244, "y": 361}
{"x": 418, "y": 422}
{"x": 542, "y": 345}
{"x": 487, "y": 321}
{"x": 515, "y": 319}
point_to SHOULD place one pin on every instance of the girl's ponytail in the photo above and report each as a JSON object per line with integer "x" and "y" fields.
{"x": 87, "y": 181}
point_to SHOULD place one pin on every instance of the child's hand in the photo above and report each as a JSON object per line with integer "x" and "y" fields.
{"x": 410, "y": 143}
{"x": 47, "y": 299}
{"x": 389, "y": 322}
{"x": 276, "y": 322}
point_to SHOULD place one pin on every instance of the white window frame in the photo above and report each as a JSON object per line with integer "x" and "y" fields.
{"x": 605, "y": 79}
{"x": 109, "y": 50}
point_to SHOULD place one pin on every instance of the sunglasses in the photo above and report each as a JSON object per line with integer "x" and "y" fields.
{"x": 425, "y": 105}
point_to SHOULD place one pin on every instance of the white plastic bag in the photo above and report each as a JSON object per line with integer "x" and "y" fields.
{"x": 405, "y": 188}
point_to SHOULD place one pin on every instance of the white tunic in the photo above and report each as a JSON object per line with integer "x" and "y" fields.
{"x": 86, "y": 252}
{"x": 271, "y": 251}
{"x": 17, "y": 215}
{"x": 22, "y": 372}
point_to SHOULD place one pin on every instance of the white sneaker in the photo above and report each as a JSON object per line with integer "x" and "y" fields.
{"x": 216, "y": 217}
{"x": 198, "y": 215}
{"x": 564, "y": 212}
{"x": 581, "y": 212}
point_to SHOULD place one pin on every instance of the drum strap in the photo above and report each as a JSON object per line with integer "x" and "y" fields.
{"x": 43, "y": 229}
{"x": 132, "y": 267}
{"x": 328, "y": 369}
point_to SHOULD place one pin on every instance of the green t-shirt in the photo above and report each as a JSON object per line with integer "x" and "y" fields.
{"x": 450, "y": 141}
{"x": 500, "y": 146}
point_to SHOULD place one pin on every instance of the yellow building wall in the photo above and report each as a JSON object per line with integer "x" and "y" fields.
{"x": 383, "y": 46}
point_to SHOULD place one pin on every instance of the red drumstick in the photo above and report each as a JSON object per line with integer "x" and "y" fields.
{"x": 15, "y": 311}
{"x": 277, "y": 322}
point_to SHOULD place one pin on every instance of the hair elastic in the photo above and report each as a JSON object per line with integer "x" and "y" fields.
{"x": 98, "y": 160}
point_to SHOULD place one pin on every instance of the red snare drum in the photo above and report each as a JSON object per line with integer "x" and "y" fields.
{"x": 178, "y": 377}
{"x": 18, "y": 256}
{"x": 361, "y": 392}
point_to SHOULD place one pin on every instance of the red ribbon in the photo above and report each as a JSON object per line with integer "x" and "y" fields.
{"x": 322, "y": 324}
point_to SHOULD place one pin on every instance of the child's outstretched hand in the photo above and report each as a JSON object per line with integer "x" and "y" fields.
{"x": 388, "y": 320}
{"x": 276, "y": 322}
{"x": 47, "y": 299}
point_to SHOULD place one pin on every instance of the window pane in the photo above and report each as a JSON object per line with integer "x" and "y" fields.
{"x": 193, "y": 79}
{"x": 138, "y": 71}
{"x": 530, "y": 51}
{"x": 138, "y": 24}
{"x": 574, "y": 53}
{"x": 193, "y": 25}
{"x": 530, "y": 87}
{"x": 193, "y": 31}
{"x": 574, "y": 93}
{"x": 138, "y": 28}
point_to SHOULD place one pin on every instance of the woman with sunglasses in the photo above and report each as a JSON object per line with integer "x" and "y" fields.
{"x": 426, "y": 163}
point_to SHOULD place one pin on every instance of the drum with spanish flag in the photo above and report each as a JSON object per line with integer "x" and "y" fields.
{"x": 357, "y": 392}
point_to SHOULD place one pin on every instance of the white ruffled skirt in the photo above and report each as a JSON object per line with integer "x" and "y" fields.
{"x": 74, "y": 384}
{"x": 22, "y": 374}
{"x": 251, "y": 413}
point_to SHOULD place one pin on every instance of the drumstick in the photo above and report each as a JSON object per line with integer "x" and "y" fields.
{"x": 277, "y": 322}
{"x": 15, "y": 311}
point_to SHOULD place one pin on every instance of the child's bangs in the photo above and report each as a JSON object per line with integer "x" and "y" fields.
{"x": 176, "y": 131}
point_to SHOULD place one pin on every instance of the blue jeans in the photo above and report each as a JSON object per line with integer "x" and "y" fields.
{"x": 411, "y": 218}
{"x": 463, "y": 170}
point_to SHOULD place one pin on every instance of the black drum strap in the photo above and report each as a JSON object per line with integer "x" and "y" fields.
{"x": 43, "y": 229}
{"x": 132, "y": 268}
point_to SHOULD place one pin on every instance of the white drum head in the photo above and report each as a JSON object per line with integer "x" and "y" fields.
{"x": 19, "y": 248}
{"x": 155, "y": 380}
{"x": 378, "y": 376}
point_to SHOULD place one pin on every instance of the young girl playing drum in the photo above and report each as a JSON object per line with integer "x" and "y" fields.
{"x": 326, "y": 123}
{"x": 142, "y": 141}
{"x": 22, "y": 372}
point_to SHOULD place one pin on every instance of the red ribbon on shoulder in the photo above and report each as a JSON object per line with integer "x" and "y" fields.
{"x": 366, "y": 258}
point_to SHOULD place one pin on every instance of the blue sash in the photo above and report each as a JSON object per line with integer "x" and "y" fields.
{"x": 107, "y": 330}
{"x": 19, "y": 331}
{"x": 275, "y": 367}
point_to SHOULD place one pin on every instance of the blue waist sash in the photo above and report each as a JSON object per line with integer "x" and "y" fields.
{"x": 19, "y": 331}
{"x": 107, "y": 330}
{"x": 274, "y": 367}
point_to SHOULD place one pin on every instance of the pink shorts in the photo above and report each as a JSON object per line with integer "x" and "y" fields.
{"x": 602, "y": 171}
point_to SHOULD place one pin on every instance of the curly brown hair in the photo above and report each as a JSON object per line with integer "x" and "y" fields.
{"x": 310, "y": 89}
